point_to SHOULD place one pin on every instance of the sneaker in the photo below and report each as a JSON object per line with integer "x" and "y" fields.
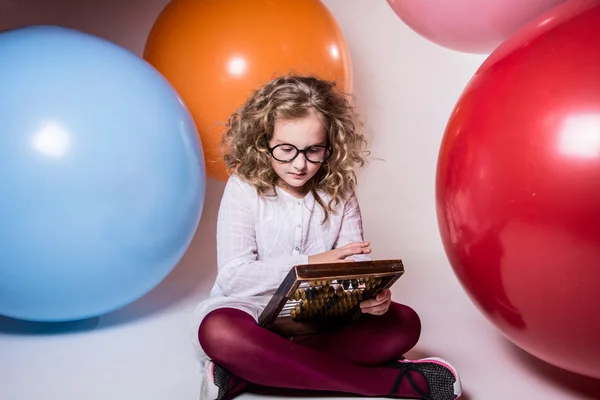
{"x": 218, "y": 384}
{"x": 443, "y": 382}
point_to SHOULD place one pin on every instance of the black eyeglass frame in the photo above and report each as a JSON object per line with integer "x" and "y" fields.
{"x": 298, "y": 151}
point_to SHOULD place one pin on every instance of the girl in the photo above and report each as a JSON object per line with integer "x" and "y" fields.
{"x": 292, "y": 149}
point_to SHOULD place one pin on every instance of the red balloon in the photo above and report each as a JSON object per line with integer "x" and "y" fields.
{"x": 518, "y": 188}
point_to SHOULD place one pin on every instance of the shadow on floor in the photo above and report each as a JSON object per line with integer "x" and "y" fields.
{"x": 568, "y": 380}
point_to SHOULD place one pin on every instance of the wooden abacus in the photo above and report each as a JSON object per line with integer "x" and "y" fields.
{"x": 317, "y": 297}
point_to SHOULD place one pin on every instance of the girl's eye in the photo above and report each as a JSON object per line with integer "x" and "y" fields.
{"x": 286, "y": 149}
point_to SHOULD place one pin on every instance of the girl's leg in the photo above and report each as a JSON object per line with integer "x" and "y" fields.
{"x": 372, "y": 340}
{"x": 233, "y": 340}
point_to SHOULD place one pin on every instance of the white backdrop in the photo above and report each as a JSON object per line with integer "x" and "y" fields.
{"x": 406, "y": 88}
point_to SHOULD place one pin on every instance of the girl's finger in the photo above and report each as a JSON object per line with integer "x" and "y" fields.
{"x": 354, "y": 244}
{"x": 384, "y": 295}
{"x": 347, "y": 252}
{"x": 376, "y": 310}
{"x": 381, "y": 307}
{"x": 371, "y": 303}
{"x": 368, "y": 303}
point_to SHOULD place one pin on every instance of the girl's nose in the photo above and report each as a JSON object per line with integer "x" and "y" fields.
{"x": 300, "y": 162}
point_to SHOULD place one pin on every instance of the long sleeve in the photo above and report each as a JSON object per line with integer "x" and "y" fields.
{"x": 240, "y": 271}
{"x": 352, "y": 228}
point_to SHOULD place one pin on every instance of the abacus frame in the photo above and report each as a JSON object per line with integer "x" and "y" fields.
{"x": 389, "y": 271}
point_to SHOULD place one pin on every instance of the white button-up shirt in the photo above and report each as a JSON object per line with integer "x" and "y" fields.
{"x": 260, "y": 238}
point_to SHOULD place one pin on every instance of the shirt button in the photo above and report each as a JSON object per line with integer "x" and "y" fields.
{"x": 297, "y": 248}
{"x": 298, "y": 202}
{"x": 299, "y": 226}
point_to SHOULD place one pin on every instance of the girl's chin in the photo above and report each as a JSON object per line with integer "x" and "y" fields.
{"x": 295, "y": 182}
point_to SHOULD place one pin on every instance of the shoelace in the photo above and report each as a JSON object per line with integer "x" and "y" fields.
{"x": 405, "y": 370}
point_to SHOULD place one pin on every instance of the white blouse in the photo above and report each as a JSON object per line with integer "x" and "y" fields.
{"x": 260, "y": 238}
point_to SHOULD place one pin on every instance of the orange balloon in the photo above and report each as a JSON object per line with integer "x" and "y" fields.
{"x": 215, "y": 52}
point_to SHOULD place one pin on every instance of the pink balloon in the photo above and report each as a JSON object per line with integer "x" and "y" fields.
{"x": 473, "y": 26}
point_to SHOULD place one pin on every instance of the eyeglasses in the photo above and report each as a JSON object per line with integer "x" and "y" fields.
{"x": 288, "y": 153}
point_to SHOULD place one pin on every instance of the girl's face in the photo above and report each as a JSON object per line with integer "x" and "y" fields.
{"x": 301, "y": 133}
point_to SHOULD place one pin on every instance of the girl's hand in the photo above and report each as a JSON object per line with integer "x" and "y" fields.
{"x": 378, "y": 305}
{"x": 340, "y": 254}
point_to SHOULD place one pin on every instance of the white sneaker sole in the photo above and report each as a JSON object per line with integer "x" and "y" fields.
{"x": 208, "y": 389}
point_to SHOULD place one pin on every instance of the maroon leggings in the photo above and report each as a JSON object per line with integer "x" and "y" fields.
{"x": 350, "y": 359}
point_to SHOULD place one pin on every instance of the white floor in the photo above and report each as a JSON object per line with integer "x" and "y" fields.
{"x": 143, "y": 351}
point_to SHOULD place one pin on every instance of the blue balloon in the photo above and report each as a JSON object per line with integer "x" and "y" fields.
{"x": 102, "y": 177}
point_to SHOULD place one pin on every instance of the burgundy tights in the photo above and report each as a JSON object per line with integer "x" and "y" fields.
{"x": 349, "y": 359}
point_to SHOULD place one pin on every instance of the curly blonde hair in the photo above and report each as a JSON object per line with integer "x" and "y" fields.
{"x": 249, "y": 129}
